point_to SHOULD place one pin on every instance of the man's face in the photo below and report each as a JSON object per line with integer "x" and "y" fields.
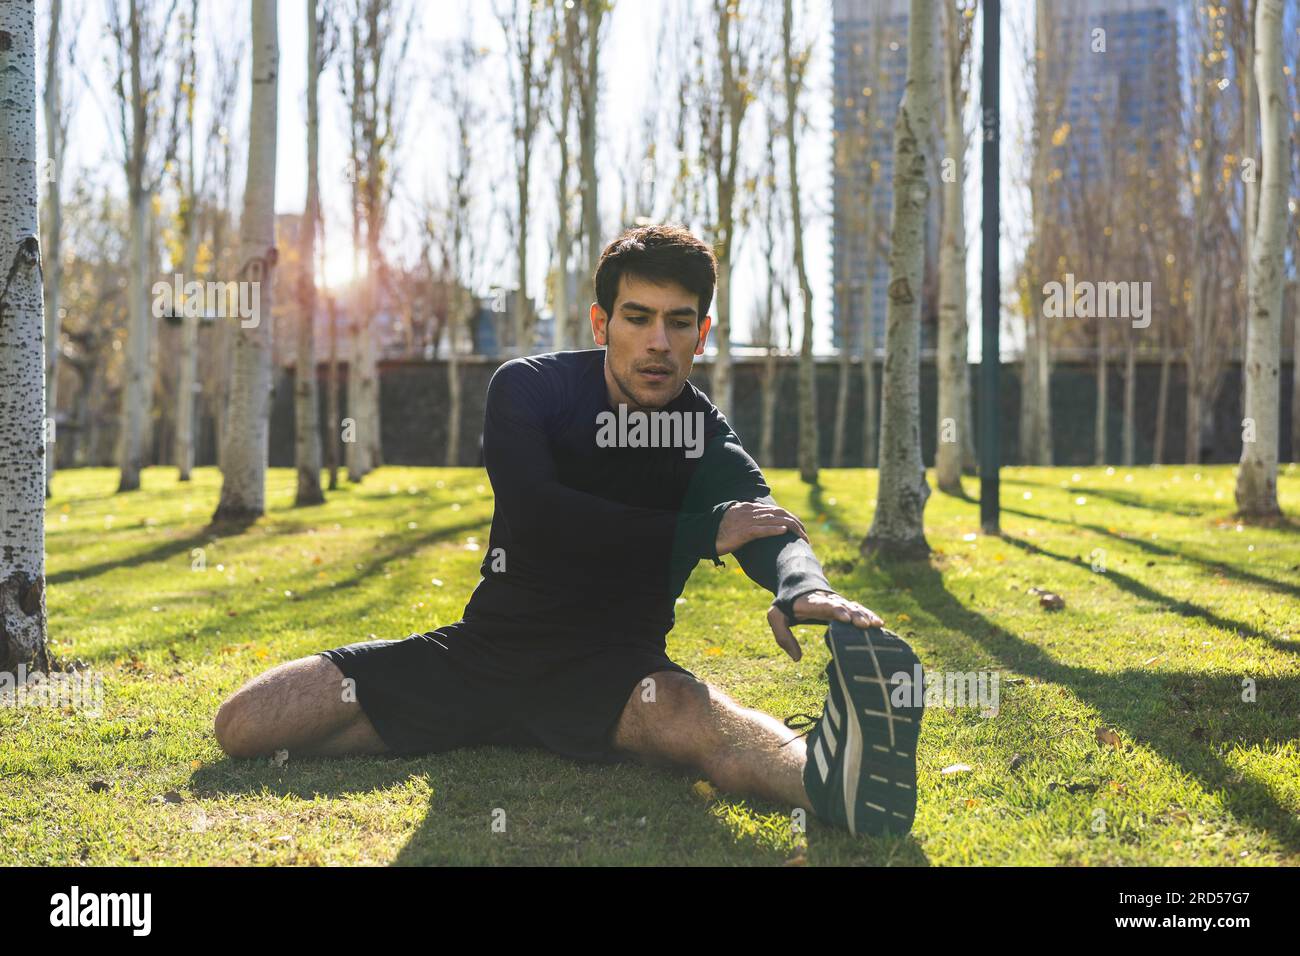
{"x": 650, "y": 341}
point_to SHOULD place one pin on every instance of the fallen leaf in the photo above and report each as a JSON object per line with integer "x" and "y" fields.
{"x": 704, "y": 789}
{"x": 1047, "y": 600}
{"x": 1108, "y": 737}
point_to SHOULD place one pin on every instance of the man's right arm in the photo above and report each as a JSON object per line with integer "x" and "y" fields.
{"x": 573, "y": 525}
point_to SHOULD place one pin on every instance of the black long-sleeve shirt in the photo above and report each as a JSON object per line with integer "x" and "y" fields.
{"x": 593, "y": 543}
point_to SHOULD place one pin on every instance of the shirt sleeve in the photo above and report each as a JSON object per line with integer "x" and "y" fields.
{"x": 573, "y": 525}
{"x": 782, "y": 564}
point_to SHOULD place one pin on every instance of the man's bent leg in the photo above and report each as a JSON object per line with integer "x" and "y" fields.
{"x": 299, "y": 706}
{"x": 686, "y": 721}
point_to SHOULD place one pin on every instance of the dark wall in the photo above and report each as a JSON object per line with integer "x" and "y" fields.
{"x": 413, "y": 395}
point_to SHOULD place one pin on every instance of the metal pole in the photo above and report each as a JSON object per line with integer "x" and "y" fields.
{"x": 990, "y": 359}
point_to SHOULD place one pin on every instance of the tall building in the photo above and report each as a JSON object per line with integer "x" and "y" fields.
{"x": 1115, "y": 64}
{"x": 869, "y": 76}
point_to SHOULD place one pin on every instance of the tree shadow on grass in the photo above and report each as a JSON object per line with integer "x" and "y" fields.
{"x": 158, "y": 552}
{"x": 1140, "y": 590}
{"x": 318, "y": 594}
{"x": 1184, "y": 716}
{"x": 1143, "y": 544}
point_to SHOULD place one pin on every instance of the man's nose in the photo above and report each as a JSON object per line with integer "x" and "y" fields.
{"x": 658, "y": 341}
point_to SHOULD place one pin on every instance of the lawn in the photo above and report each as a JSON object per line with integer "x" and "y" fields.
{"x": 1125, "y": 734}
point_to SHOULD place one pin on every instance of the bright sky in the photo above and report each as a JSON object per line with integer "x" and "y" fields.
{"x": 628, "y": 67}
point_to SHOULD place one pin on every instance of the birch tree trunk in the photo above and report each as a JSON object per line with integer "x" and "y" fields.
{"x": 870, "y": 426}
{"x": 52, "y": 253}
{"x": 1257, "y": 475}
{"x": 332, "y": 398}
{"x": 1295, "y": 366}
{"x": 564, "y": 33}
{"x": 22, "y": 356}
{"x": 521, "y": 40}
{"x": 1250, "y": 112}
{"x": 589, "y": 100}
{"x": 137, "y": 389}
{"x": 845, "y": 367}
{"x": 897, "y": 528}
{"x": 307, "y": 451}
{"x": 951, "y": 357}
{"x": 1295, "y": 379}
{"x": 1128, "y": 435}
{"x": 808, "y": 443}
{"x": 454, "y": 388}
{"x": 183, "y": 448}
{"x": 1103, "y": 400}
{"x": 1162, "y": 398}
{"x": 729, "y": 117}
{"x": 243, "y": 485}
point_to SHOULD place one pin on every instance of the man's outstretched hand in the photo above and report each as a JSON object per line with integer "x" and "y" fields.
{"x": 819, "y": 606}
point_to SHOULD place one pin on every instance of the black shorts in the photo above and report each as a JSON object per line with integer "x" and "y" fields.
{"x": 459, "y": 686}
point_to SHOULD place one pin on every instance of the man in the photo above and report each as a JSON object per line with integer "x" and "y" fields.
{"x": 613, "y": 476}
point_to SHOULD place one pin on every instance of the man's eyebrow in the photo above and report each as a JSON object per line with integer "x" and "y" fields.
{"x": 638, "y": 307}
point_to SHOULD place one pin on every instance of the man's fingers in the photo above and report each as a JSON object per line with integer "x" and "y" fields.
{"x": 785, "y": 638}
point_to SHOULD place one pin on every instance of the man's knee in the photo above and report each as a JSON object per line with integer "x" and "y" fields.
{"x": 229, "y": 726}
{"x": 236, "y": 725}
{"x": 670, "y": 714}
{"x": 246, "y": 721}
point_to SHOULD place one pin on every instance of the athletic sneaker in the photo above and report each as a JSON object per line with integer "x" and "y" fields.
{"x": 861, "y": 770}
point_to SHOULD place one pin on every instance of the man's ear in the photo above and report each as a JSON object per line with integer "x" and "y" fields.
{"x": 599, "y": 324}
{"x": 704, "y": 334}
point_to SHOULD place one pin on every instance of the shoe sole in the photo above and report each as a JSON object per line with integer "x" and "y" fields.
{"x": 878, "y": 768}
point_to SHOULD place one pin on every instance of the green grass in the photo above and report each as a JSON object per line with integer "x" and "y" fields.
{"x": 1155, "y": 649}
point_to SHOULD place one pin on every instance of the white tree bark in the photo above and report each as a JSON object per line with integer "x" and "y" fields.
{"x": 307, "y": 451}
{"x": 137, "y": 390}
{"x": 723, "y": 145}
{"x": 188, "y": 379}
{"x": 565, "y": 33}
{"x": 589, "y": 106}
{"x": 951, "y": 352}
{"x": 808, "y": 433}
{"x": 897, "y": 528}
{"x": 332, "y": 397}
{"x": 525, "y": 88}
{"x": 243, "y": 486}
{"x": 458, "y": 311}
{"x": 52, "y": 252}
{"x": 22, "y": 356}
{"x": 1257, "y": 474}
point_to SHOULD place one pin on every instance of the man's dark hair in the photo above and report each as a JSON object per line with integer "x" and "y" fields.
{"x": 657, "y": 254}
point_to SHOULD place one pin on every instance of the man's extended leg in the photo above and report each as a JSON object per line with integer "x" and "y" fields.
{"x": 683, "y": 720}
{"x": 299, "y": 706}
{"x": 858, "y": 768}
